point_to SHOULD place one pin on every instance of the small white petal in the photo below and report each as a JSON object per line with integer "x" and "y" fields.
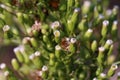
{"x": 40, "y": 73}
{"x": 95, "y": 78}
{"x": 55, "y": 24}
{"x": 109, "y": 12}
{"x": 44, "y": 68}
{"x": 118, "y": 74}
{"x": 6, "y": 28}
{"x": 109, "y": 41}
{"x": 87, "y": 3}
{"x": 6, "y": 73}
{"x": 57, "y": 47}
{"x": 2, "y": 65}
{"x": 37, "y": 53}
{"x": 77, "y": 10}
{"x": 103, "y": 75}
{"x": 73, "y": 40}
{"x": 90, "y": 30}
{"x": 115, "y": 22}
{"x": 101, "y": 16}
{"x": 32, "y": 56}
{"x": 16, "y": 49}
{"x": 101, "y": 49}
{"x": 56, "y": 33}
{"x": 114, "y": 66}
{"x": 105, "y": 22}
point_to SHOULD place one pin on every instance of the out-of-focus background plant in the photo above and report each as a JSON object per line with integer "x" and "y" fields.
{"x": 59, "y": 39}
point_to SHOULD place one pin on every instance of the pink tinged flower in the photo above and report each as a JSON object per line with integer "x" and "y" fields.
{"x": 2, "y": 66}
{"x": 55, "y": 24}
{"x": 32, "y": 56}
{"x": 101, "y": 49}
{"x": 105, "y": 22}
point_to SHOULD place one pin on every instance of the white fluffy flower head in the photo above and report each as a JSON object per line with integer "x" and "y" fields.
{"x": 6, "y": 28}
{"x": 44, "y": 68}
{"x": 2, "y": 65}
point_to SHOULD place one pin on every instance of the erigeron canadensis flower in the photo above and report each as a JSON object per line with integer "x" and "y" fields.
{"x": 108, "y": 12}
{"x": 32, "y": 56}
{"x": 114, "y": 67}
{"x": 101, "y": 49}
{"x": 73, "y": 40}
{"x": 55, "y": 25}
{"x": 37, "y": 53}
{"x": 25, "y": 40}
{"x": 109, "y": 42}
{"x": 44, "y": 68}
{"x": 2, "y": 66}
{"x": 105, "y": 22}
{"x": 103, "y": 75}
{"x": 95, "y": 78}
{"x": 76, "y": 9}
{"x": 6, "y": 73}
{"x": 57, "y": 47}
{"x": 6, "y": 28}
{"x": 57, "y": 33}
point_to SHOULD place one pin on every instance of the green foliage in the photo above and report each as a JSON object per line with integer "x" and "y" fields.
{"x": 60, "y": 39}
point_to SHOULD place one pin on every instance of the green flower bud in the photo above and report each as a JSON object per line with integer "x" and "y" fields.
{"x": 110, "y": 50}
{"x": 88, "y": 34}
{"x": 112, "y": 69}
{"x": 100, "y": 55}
{"x": 52, "y": 59}
{"x": 34, "y": 42}
{"x": 26, "y": 58}
{"x": 46, "y": 39}
{"x": 114, "y": 29}
{"x": 82, "y": 75}
{"x": 99, "y": 70}
{"x": 70, "y": 4}
{"x": 15, "y": 64}
{"x": 18, "y": 54}
{"x": 62, "y": 6}
{"x": 7, "y": 32}
{"x": 35, "y": 58}
{"x": 108, "y": 44}
{"x": 104, "y": 28}
{"x": 35, "y": 33}
{"x": 110, "y": 59}
{"x": 44, "y": 75}
{"x": 86, "y": 7}
{"x": 115, "y": 12}
{"x": 83, "y": 25}
{"x": 94, "y": 45}
{"x": 57, "y": 51}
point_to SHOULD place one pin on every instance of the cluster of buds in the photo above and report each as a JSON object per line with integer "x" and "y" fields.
{"x": 70, "y": 43}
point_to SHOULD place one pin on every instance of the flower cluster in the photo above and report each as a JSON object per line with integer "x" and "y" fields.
{"x": 73, "y": 41}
